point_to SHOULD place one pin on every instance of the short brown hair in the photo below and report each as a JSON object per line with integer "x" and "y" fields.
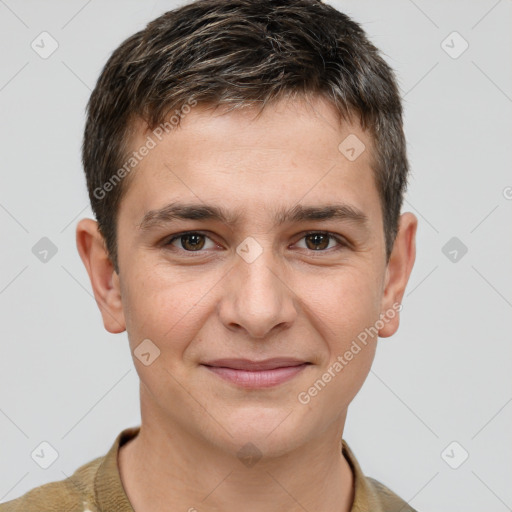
{"x": 241, "y": 53}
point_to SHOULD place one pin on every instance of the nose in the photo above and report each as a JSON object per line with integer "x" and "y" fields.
{"x": 257, "y": 298}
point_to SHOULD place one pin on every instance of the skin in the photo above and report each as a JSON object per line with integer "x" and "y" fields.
{"x": 210, "y": 303}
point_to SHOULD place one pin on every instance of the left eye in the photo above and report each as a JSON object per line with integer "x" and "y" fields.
{"x": 319, "y": 241}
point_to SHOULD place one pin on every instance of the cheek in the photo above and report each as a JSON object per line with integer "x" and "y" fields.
{"x": 346, "y": 315}
{"x": 164, "y": 307}
{"x": 349, "y": 344}
{"x": 348, "y": 302}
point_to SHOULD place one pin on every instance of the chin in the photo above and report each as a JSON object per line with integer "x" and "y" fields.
{"x": 274, "y": 431}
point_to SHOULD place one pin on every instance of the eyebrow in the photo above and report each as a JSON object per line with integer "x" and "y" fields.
{"x": 296, "y": 214}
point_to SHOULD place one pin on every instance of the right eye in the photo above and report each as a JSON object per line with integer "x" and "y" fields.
{"x": 189, "y": 241}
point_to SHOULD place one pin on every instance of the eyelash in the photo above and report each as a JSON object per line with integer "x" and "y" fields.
{"x": 342, "y": 243}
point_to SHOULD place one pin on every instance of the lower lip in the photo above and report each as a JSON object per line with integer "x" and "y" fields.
{"x": 259, "y": 378}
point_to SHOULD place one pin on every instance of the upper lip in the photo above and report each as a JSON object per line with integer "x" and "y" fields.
{"x": 247, "y": 364}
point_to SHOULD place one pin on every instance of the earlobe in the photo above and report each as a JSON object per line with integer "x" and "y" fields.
{"x": 104, "y": 281}
{"x": 398, "y": 271}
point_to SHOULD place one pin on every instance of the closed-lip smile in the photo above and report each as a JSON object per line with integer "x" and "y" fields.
{"x": 249, "y": 373}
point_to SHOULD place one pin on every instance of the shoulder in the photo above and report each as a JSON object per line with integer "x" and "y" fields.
{"x": 73, "y": 494}
{"x": 386, "y": 498}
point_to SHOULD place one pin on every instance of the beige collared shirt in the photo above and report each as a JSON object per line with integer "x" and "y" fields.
{"x": 96, "y": 487}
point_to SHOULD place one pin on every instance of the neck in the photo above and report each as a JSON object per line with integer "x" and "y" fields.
{"x": 165, "y": 468}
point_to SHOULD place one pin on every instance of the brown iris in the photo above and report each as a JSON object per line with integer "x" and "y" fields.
{"x": 320, "y": 241}
{"x": 192, "y": 242}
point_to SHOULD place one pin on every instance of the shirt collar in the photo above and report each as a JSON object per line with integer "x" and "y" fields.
{"x": 365, "y": 496}
{"x": 108, "y": 488}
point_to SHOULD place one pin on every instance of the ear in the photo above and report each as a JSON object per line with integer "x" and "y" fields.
{"x": 104, "y": 279}
{"x": 398, "y": 271}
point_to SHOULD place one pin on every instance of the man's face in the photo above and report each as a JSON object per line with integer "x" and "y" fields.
{"x": 255, "y": 289}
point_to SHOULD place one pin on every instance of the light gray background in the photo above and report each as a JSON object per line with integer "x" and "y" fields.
{"x": 444, "y": 377}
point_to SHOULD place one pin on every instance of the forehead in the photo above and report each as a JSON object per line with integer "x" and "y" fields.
{"x": 291, "y": 152}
